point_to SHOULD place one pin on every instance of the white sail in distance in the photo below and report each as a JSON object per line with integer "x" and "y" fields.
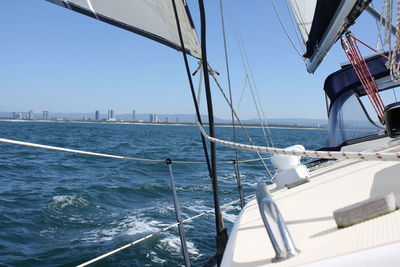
{"x": 154, "y": 19}
{"x": 303, "y": 11}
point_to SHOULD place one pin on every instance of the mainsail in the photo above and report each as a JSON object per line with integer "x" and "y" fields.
{"x": 154, "y": 19}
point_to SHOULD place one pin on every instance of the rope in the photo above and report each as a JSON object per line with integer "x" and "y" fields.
{"x": 155, "y": 233}
{"x": 356, "y": 59}
{"x": 15, "y": 142}
{"x": 308, "y": 153}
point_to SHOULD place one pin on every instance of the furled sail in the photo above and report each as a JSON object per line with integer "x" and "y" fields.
{"x": 321, "y": 23}
{"x": 154, "y": 19}
{"x": 303, "y": 11}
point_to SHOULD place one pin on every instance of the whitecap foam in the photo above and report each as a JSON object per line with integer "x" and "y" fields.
{"x": 172, "y": 243}
{"x": 229, "y": 216}
{"x": 131, "y": 225}
{"x": 64, "y": 201}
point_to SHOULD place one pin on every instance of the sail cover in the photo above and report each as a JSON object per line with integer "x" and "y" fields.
{"x": 303, "y": 11}
{"x": 154, "y": 19}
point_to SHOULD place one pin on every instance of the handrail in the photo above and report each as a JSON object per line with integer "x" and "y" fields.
{"x": 275, "y": 225}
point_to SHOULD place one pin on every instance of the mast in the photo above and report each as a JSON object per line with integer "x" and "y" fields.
{"x": 222, "y": 234}
{"x": 185, "y": 59}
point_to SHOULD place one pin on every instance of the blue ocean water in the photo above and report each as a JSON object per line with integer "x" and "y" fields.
{"x": 62, "y": 209}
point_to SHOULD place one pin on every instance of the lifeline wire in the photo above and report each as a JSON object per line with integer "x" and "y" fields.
{"x": 15, "y": 142}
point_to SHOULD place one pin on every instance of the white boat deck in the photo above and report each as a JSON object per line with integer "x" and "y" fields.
{"x": 308, "y": 212}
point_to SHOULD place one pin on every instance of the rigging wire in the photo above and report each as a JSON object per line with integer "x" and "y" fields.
{"x": 286, "y": 32}
{"x": 241, "y": 124}
{"x": 246, "y": 80}
{"x": 394, "y": 64}
{"x": 239, "y": 184}
{"x": 296, "y": 29}
{"x": 260, "y": 158}
{"x": 249, "y": 73}
{"x": 378, "y": 28}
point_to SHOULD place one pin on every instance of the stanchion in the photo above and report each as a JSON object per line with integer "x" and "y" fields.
{"x": 239, "y": 182}
{"x": 178, "y": 214}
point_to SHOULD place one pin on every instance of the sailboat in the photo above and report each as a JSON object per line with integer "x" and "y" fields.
{"x": 341, "y": 213}
{"x": 331, "y": 217}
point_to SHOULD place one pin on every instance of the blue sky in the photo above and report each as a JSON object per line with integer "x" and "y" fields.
{"x": 54, "y": 59}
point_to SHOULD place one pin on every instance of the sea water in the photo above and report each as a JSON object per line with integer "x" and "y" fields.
{"x": 62, "y": 209}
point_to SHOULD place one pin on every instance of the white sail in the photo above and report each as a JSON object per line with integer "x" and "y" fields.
{"x": 154, "y": 19}
{"x": 303, "y": 11}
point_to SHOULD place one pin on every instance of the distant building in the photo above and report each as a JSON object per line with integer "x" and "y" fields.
{"x": 177, "y": 120}
{"x": 45, "y": 115}
{"x": 31, "y": 115}
{"x": 14, "y": 115}
{"x": 133, "y": 115}
{"x": 19, "y": 116}
{"x": 110, "y": 116}
{"x": 166, "y": 120}
{"x": 97, "y": 115}
{"x": 153, "y": 118}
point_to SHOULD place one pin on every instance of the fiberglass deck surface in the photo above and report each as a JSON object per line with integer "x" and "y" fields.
{"x": 308, "y": 211}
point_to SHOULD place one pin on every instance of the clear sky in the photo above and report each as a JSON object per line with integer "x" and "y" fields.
{"x": 55, "y": 59}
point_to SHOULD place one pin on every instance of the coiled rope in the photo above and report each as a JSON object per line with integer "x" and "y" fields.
{"x": 376, "y": 156}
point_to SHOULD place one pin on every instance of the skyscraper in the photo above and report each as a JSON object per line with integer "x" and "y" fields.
{"x": 110, "y": 116}
{"x": 14, "y": 115}
{"x": 97, "y": 115}
{"x": 151, "y": 119}
{"x": 133, "y": 115}
{"x": 31, "y": 115}
{"x": 45, "y": 115}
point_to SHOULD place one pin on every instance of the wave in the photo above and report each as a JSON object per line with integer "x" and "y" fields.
{"x": 75, "y": 201}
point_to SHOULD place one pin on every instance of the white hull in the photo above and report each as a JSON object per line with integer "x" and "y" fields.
{"x": 308, "y": 212}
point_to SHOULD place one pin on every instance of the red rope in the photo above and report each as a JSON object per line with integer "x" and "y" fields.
{"x": 356, "y": 59}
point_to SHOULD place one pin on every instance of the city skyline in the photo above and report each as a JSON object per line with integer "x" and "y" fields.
{"x": 124, "y": 70}
{"x": 109, "y": 116}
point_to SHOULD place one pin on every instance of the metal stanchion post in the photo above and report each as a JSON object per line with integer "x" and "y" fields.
{"x": 178, "y": 214}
